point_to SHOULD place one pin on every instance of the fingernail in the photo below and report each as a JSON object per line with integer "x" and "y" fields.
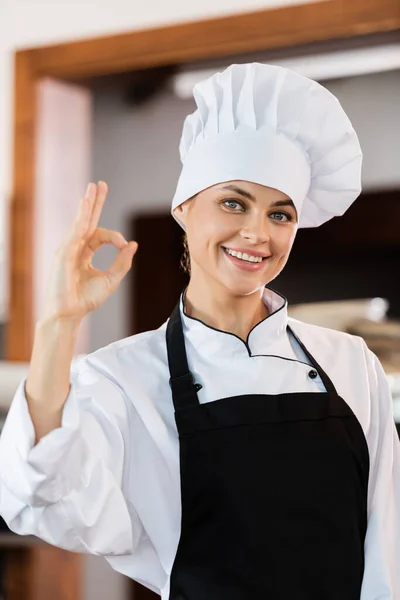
{"x": 88, "y": 189}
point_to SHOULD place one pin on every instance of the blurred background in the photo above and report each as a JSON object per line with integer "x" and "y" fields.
{"x": 99, "y": 90}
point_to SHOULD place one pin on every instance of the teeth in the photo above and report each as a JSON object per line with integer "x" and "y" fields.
{"x": 244, "y": 256}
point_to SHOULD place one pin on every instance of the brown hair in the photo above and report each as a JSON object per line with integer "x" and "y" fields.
{"x": 185, "y": 258}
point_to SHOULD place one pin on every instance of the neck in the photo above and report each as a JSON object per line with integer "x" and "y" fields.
{"x": 224, "y": 311}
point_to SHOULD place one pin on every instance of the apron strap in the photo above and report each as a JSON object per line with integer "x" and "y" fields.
{"x": 330, "y": 388}
{"x": 184, "y": 389}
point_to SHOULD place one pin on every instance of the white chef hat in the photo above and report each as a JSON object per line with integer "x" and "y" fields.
{"x": 271, "y": 126}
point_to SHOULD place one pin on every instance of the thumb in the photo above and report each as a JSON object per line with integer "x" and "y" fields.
{"x": 122, "y": 263}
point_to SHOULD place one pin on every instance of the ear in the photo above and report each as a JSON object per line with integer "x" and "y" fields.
{"x": 180, "y": 212}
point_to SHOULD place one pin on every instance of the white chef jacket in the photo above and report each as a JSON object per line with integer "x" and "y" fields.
{"x": 107, "y": 481}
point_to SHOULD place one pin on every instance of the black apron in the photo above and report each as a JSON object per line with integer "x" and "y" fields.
{"x": 273, "y": 489}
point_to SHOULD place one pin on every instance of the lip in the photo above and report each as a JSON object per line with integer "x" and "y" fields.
{"x": 245, "y": 266}
{"x": 247, "y": 251}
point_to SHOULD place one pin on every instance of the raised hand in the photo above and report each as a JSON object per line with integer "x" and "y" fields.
{"x": 75, "y": 287}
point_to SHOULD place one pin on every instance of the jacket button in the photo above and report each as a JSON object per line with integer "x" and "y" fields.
{"x": 312, "y": 374}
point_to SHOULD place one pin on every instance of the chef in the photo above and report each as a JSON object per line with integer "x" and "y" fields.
{"x": 234, "y": 452}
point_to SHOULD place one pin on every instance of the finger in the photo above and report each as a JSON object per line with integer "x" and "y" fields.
{"x": 101, "y": 195}
{"x": 79, "y": 226}
{"x": 100, "y": 237}
{"x": 121, "y": 264}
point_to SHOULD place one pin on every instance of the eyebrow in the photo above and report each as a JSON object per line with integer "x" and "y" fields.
{"x": 241, "y": 192}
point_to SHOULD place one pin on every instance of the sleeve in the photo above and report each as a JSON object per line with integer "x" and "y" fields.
{"x": 69, "y": 489}
{"x": 382, "y": 543}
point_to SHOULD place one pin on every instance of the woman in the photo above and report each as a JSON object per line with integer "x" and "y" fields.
{"x": 233, "y": 452}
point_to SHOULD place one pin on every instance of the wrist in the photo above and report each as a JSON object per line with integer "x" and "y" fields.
{"x": 59, "y": 325}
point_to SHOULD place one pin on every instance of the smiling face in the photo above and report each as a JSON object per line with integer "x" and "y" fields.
{"x": 238, "y": 217}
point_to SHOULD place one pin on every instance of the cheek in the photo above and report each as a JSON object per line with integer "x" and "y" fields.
{"x": 284, "y": 241}
{"x": 211, "y": 230}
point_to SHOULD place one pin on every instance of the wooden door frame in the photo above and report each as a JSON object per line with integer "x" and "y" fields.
{"x": 177, "y": 44}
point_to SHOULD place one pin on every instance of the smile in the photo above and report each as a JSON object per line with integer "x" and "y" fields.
{"x": 244, "y": 256}
{"x": 244, "y": 261}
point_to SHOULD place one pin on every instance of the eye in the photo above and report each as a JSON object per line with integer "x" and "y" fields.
{"x": 232, "y": 203}
{"x": 287, "y": 216}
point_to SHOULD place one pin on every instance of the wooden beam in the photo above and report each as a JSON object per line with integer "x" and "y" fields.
{"x": 225, "y": 36}
{"x": 55, "y": 574}
{"x": 18, "y": 338}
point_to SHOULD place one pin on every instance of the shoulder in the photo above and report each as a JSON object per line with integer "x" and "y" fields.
{"x": 327, "y": 339}
{"x": 343, "y": 356}
{"x": 354, "y": 369}
{"x": 342, "y": 353}
{"x": 133, "y": 354}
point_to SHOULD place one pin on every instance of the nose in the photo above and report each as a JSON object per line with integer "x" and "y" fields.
{"x": 256, "y": 229}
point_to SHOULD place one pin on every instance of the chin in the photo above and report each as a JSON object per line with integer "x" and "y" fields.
{"x": 243, "y": 288}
